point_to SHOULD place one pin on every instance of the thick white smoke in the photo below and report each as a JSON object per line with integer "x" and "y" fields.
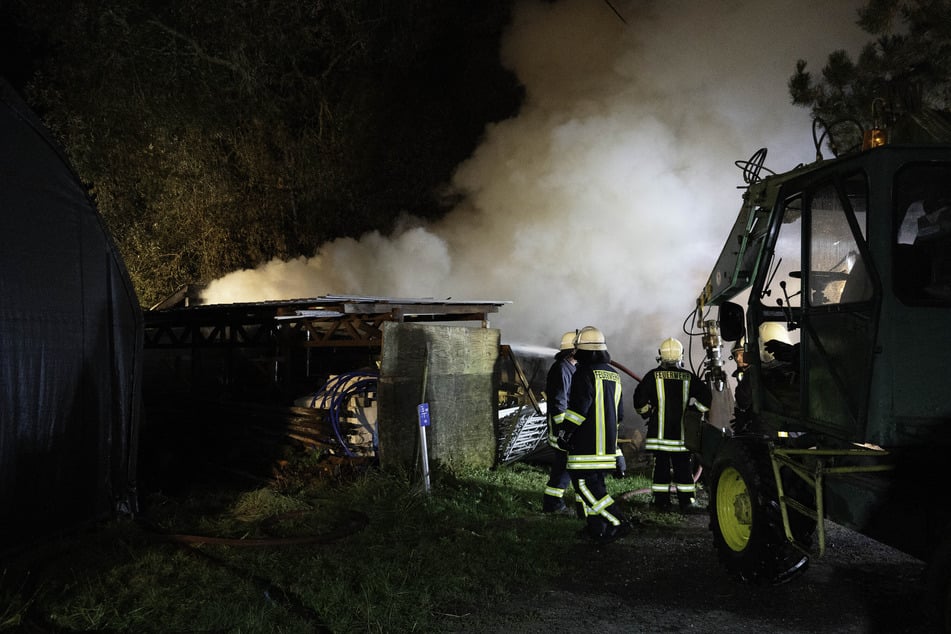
{"x": 607, "y": 199}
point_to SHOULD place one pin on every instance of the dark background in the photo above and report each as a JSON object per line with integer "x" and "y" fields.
{"x": 217, "y": 138}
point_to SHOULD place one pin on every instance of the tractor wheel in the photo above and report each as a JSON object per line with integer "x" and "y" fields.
{"x": 745, "y": 518}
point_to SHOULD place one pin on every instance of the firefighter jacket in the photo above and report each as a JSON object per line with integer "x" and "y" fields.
{"x": 594, "y": 406}
{"x": 662, "y": 397}
{"x": 557, "y": 385}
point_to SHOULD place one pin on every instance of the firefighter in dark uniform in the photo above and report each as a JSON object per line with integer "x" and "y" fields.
{"x": 778, "y": 372}
{"x": 589, "y": 434}
{"x": 742, "y": 394}
{"x": 557, "y": 384}
{"x": 662, "y": 397}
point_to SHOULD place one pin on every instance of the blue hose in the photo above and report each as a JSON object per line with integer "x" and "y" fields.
{"x": 339, "y": 390}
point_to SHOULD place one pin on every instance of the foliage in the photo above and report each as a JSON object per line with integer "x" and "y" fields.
{"x": 905, "y": 70}
{"x": 219, "y": 136}
{"x": 420, "y": 562}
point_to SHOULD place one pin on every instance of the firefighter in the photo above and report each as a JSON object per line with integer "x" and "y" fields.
{"x": 779, "y": 366}
{"x": 557, "y": 385}
{"x": 778, "y": 360}
{"x": 662, "y": 397}
{"x": 742, "y": 395}
{"x": 589, "y": 435}
{"x": 738, "y": 354}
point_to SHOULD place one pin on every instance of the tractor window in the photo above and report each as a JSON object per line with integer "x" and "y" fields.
{"x": 782, "y": 287}
{"x": 922, "y": 243}
{"x": 837, "y": 270}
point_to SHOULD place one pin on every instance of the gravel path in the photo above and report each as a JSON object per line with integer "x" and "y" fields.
{"x": 668, "y": 579}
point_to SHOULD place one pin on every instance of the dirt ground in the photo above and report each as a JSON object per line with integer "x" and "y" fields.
{"x": 668, "y": 579}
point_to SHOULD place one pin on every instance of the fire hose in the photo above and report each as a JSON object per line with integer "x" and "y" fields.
{"x": 673, "y": 489}
{"x": 625, "y": 370}
{"x": 354, "y": 521}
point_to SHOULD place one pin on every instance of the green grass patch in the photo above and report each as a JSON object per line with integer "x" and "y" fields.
{"x": 368, "y": 553}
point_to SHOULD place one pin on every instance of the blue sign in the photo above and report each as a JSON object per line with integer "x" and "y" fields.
{"x": 423, "y": 410}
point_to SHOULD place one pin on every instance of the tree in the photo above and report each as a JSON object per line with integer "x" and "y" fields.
{"x": 217, "y": 136}
{"x": 900, "y": 79}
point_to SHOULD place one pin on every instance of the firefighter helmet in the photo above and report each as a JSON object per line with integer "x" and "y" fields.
{"x": 671, "y": 351}
{"x": 771, "y": 331}
{"x": 739, "y": 352}
{"x": 568, "y": 340}
{"x": 590, "y": 338}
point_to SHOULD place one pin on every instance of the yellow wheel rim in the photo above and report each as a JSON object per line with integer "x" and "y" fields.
{"x": 734, "y": 512}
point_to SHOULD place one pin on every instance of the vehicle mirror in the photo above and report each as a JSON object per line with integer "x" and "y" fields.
{"x": 731, "y": 321}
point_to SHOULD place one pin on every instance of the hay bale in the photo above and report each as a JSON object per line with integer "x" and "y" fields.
{"x": 457, "y": 365}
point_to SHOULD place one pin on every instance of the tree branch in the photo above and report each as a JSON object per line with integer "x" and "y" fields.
{"x": 202, "y": 54}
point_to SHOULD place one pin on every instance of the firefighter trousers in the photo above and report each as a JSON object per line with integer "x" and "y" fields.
{"x": 558, "y": 481}
{"x": 600, "y": 509}
{"x": 676, "y": 463}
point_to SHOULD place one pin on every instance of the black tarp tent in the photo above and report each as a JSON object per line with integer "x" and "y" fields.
{"x": 70, "y": 344}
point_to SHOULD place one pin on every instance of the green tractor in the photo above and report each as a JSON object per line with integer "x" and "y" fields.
{"x": 835, "y": 287}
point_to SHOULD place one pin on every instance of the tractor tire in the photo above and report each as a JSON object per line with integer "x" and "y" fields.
{"x": 745, "y": 518}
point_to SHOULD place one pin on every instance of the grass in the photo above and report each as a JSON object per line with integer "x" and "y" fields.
{"x": 383, "y": 556}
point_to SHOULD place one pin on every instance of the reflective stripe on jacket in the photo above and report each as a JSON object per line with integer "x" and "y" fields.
{"x": 664, "y": 395}
{"x": 594, "y": 405}
{"x": 557, "y": 384}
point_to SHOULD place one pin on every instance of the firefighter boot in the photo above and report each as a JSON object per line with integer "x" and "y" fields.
{"x": 688, "y": 506}
{"x": 551, "y": 504}
{"x": 612, "y": 533}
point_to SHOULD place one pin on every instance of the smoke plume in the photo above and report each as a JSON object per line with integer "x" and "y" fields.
{"x": 607, "y": 199}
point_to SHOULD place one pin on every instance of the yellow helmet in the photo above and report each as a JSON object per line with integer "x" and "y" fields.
{"x": 590, "y": 338}
{"x": 671, "y": 351}
{"x": 568, "y": 340}
{"x": 771, "y": 331}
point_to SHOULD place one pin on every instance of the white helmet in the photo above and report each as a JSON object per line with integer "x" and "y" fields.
{"x": 771, "y": 331}
{"x": 568, "y": 340}
{"x": 590, "y": 338}
{"x": 739, "y": 352}
{"x": 671, "y": 351}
